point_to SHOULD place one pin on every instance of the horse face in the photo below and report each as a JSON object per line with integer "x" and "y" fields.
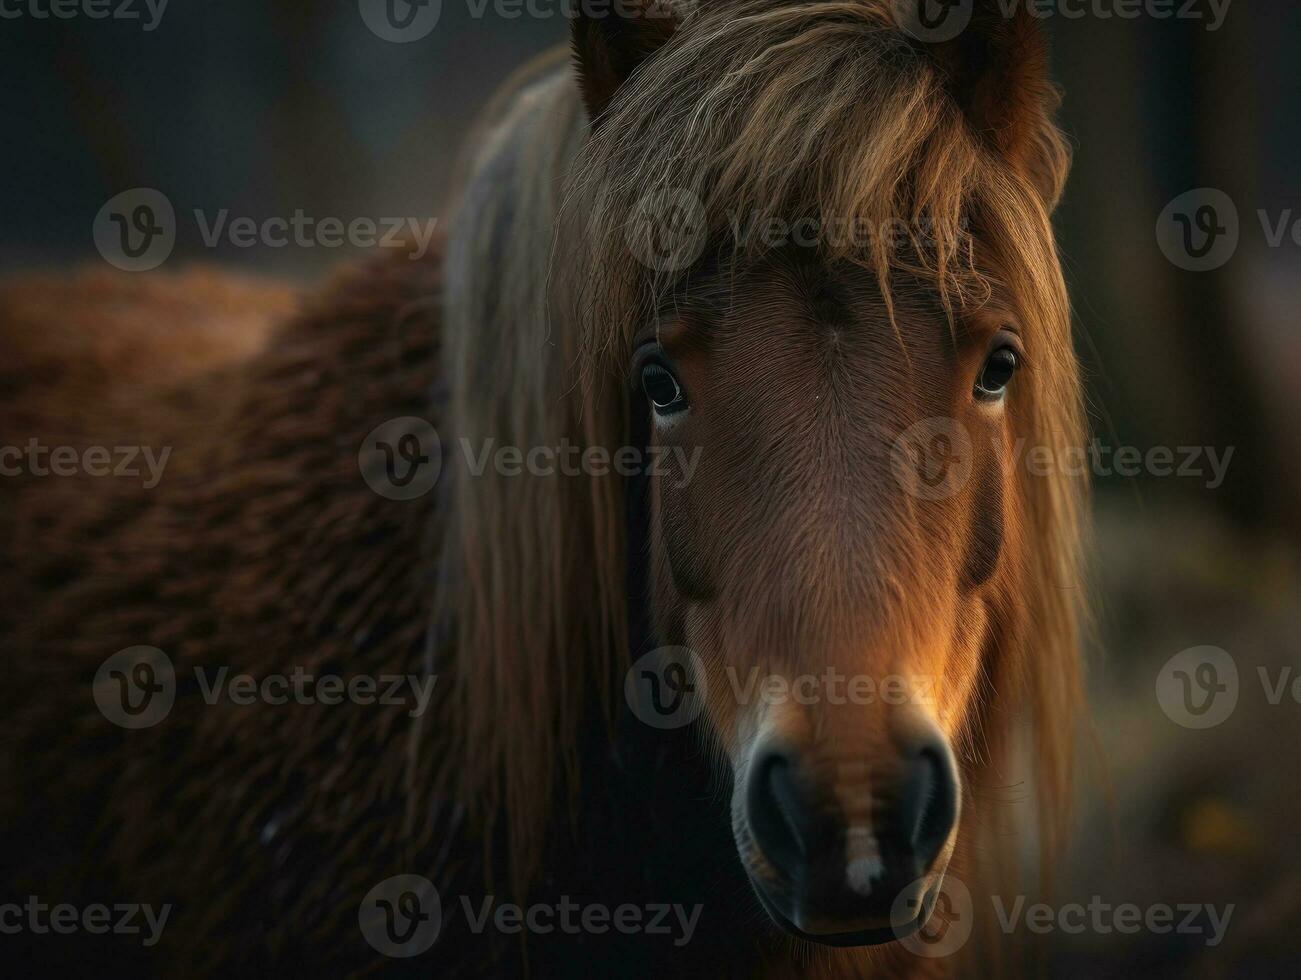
{"x": 842, "y": 560}
{"x": 850, "y": 558}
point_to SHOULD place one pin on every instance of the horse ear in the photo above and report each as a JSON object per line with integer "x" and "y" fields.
{"x": 610, "y": 44}
{"x": 996, "y": 69}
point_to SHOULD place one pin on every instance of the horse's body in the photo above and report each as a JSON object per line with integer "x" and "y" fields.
{"x": 262, "y": 550}
{"x": 100, "y": 560}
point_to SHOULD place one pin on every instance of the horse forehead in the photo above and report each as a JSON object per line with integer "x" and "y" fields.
{"x": 847, "y": 344}
{"x": 801, "y": 305}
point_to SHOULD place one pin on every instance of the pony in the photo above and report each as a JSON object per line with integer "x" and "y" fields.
{"x": 823, "y": 419}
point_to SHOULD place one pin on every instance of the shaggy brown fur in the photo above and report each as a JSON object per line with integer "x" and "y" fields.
{"x": 260, "y": 549}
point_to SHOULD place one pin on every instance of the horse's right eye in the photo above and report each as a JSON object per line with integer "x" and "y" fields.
{"x": 662, "y": 389}
{"x": 996, "y": 374}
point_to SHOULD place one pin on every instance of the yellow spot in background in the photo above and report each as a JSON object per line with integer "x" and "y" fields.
{"x": 1212, "y": 826}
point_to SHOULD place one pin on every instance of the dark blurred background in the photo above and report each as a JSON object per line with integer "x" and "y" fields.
{"x": 266, "y": 106}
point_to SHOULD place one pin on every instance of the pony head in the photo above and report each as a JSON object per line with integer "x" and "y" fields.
{"x": 817, "y": 246}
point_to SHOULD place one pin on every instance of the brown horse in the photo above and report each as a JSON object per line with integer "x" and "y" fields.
{"x": 823, "y": 417}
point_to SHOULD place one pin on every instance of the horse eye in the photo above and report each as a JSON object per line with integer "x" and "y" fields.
{"x": 662, "y": 389}
{"x": 997, "y": 372}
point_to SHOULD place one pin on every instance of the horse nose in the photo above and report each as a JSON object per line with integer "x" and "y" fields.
{"x": 784, "y": 813}
{"x": 926, "y": 808}
{"x": 842, "y": 853}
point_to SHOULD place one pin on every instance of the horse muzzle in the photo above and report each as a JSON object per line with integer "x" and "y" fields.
{"x": 843, "y": 851}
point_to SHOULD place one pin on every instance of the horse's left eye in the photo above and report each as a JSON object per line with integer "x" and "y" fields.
{"x": 662, "y": 389}
{"x": 995, "y": 375}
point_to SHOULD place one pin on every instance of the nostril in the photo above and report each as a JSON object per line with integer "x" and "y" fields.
{"x": 777, "y": 813}
{"x": 930, "y": 802}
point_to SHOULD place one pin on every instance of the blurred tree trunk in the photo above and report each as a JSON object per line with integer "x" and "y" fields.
{"x": 1171, "y": 354}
